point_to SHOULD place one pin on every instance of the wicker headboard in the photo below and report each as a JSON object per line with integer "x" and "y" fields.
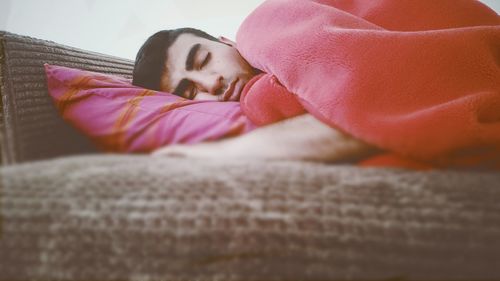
{"x": 30, "y": 127}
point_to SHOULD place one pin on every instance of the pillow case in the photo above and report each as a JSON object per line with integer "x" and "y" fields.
{"x": 120, "y": 117}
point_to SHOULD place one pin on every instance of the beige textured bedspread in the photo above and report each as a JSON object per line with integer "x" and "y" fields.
{"x": 111, "y": 217}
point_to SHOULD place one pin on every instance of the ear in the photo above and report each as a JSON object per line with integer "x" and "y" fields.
{"x": 227, "y": 41}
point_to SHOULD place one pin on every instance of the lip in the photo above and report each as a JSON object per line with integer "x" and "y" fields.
{"x": 233, "y": 88}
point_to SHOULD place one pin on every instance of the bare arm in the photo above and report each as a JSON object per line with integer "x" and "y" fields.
{"x": 299, "y": 138}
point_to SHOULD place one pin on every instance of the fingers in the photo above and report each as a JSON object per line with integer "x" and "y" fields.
{"x": 201, "y": 150}
{"x": 170, "y": 151}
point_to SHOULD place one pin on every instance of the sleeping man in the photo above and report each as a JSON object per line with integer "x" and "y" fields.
{"x": 194, "y": 65}
{"x": 419, "y": 80}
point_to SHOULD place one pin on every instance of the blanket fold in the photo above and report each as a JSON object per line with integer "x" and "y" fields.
{"x": 417, "y": 78}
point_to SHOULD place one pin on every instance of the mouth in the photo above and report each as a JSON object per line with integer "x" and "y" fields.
{"x": 233, "y": 91}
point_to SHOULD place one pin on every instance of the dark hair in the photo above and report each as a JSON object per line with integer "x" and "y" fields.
{"x": 152, "y": 56}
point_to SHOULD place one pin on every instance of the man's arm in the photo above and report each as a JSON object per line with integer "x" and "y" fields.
{"x": 299, "y": 138}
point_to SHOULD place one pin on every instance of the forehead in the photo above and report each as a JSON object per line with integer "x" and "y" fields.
{"x": 176, "y": 58}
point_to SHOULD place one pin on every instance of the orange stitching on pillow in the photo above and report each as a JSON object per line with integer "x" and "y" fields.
{"x": 117, "y": 139}
{"x": 104, "y": 78}
{"x": 237, "y": 128}
{"x": 67, "y": 97}
{"x": 151, "y": 135}
{"x": 177, "y": 103}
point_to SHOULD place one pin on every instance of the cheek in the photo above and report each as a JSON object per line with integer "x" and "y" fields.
{"x": 240, "y": 64}
{"x": 230, "y": 61}
{"x": 238, "y": 60}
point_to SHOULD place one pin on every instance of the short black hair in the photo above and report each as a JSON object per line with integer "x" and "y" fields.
{"x": 152, "y": 56}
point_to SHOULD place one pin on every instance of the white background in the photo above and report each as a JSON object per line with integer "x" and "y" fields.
{"x": 119, "y": 27}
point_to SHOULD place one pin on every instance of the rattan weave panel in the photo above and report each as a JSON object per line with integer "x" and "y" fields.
{"x": 30, "y": 125}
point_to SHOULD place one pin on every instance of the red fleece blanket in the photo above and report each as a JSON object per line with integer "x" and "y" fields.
{"x": 417, "y": 78}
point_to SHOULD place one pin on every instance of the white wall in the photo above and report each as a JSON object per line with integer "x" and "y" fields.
{"x": 494, "y": 4}
{"x": 119, "y": 27}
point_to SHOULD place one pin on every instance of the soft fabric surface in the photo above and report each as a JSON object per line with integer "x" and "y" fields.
{"x": 120, "y": 117}
{"x": 140, "y": 218}
{"x": 418, "y": 78}
{"x": 269, "y": 101}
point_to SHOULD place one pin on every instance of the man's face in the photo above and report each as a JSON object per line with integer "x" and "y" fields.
{"x": 202, "y": 69}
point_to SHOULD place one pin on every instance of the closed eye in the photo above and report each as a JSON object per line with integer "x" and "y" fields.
{"x": 206, "y": 60}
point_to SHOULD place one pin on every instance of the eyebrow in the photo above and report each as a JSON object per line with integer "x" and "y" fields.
{"x": 190, "y": 57}
{"x": 181, "y": 87}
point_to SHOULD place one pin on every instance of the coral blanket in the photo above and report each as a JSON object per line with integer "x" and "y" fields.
{"x": 417, "y": 78}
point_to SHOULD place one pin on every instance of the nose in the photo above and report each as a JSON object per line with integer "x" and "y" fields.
{"x": 209, "y": 83}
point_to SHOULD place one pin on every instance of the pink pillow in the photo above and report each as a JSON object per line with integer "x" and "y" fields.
{"x": 120, "y": 117}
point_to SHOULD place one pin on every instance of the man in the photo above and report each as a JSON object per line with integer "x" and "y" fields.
{"x": 192, "y": 64}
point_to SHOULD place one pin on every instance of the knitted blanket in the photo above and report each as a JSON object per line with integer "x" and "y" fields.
{"x": 110, "y": 217}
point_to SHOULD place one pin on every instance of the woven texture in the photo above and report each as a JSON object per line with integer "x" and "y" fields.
{"x": 31, "y": 127}
{"x": 141, "y": 218}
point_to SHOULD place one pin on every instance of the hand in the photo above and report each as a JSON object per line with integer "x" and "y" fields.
{"x": 201, "y": 150}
